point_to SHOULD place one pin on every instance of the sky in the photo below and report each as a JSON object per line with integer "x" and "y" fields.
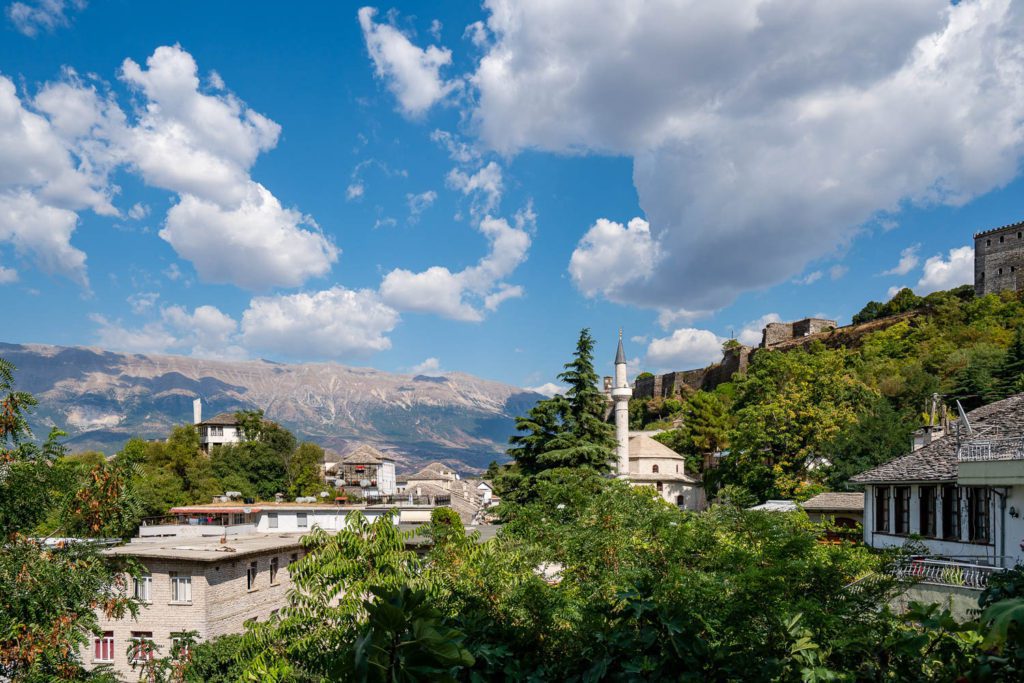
{"x": 437, "y": 187}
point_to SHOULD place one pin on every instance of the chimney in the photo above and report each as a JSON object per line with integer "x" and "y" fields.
{"x": 197, "y": 411}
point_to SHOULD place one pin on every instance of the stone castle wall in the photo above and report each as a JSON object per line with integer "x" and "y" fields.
{"x": 999, "y": 259}
{"x": 673, "y": 384}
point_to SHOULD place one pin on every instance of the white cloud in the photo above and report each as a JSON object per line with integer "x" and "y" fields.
{"x": 908, "y": 261}
{"x": 892, "y": 291}
{"x": 257, "y": 245}
{"x": 138, "y": 211}
{"x": 453, "y": 295}
{"x": 477, "y": 34}
{"x": 668, "y": 317}
{"x": 354, "y": 191}
{"x": 751, "y": 333}
{"x": 686, "y": 348}
{"x": 33, "y": 16}
{"x": 412, "y": 74}
{"x": 8, "y": 275}
{"x": 334, "y": 323}
{"x": 418, "y": 203}
{"x": 458, "y": 150}
{"x": 957, "y": 269}
{"x": 810, "y": 278}
{"x": 639, "y": 339}
{"x": 430, "y": 367}
{"x": 140, "y": 302}
{"x": 42, "y": 231}
{"x": 762, "y": 134}
{"x": 206, "y": 332}
{"x": 547, "y": 389}
{"x": 485, "y": 186}
{"x": 435, "y": 29}
{"x": 611, "y": 258}
{"x": 837, "y": 271}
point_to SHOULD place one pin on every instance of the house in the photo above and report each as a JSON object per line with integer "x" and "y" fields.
{"x": 652, "y": 463}
{"x": 215, "y": 520}
{"x": 842, "y": 509}
{"x": 210, "y": 586}
{"x": 442, "y": 485}
{"x": 962, "y": 494}
{"x": 220, "y": 429}
{"x": 776, "y": 506}
{"x": 369, "y": 469}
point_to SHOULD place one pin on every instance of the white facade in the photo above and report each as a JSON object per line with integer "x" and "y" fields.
{"x": 216, "y": 520}
{"x": 621, "y": 393}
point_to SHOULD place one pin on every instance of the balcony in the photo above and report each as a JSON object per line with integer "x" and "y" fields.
{"x": 963, "y": 572}
{"x": 987, "y": 450}
{"x": 991, "y": 462}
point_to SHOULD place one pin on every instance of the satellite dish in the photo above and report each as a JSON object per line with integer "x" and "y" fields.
{"x": 364, "y": 483}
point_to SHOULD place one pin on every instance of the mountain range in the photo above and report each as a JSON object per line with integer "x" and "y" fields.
{"x": 102, "y": 398}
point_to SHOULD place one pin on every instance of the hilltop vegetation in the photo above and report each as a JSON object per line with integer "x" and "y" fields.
{"x": 809, "y": 418}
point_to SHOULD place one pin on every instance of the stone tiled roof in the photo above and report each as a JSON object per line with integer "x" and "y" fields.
{"x": 432, "y": 472}
{"x": 221, "y": 419}
{"x": 937, "y": 461}
{"x": 775, "y": 506}
{"x": 365, "y": 455}
{"x": 825, "y": 502}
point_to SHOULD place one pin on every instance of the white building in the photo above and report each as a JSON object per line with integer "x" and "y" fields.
{"x": 962, "y": 494}
{"x": 216, "y": 520}
{"x": 644, "y": 461}
{"x": 218, "y": 430}
{"x": 369, "y": 469}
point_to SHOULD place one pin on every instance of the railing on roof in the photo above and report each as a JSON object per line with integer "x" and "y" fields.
{"x": 985, "y": 449}
{"x": 959, "y": 572}
{"x": 408, "y": 500}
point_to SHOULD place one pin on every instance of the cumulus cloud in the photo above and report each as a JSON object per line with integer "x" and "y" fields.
{"x": 908, "y": 261}
{"x": 430, "y": 367}
{"x": 751, "y": 333}
{"x": 945, "y": 273}
{"x": 333, "y": 323}
{"x": 257, "y": 245}
{"x": 687, "y": 347}
{"x": 762, "y": 134}
{"x": 138, "y": 211}
{"x": 35, "y": 16}
{"x": 205, "y": 332}
{"x": 8, "y": 275}
{"x": 612, "y": 257}
{"x": 485, "y": 186}
{"x": 810, "y": 278}
{"x": 411, "y": 73}
{"x": 418, "y": 203}
{"x": 140, "y": 302}
{"x": 354, "y": 191}
{"x": 454, "y": 295}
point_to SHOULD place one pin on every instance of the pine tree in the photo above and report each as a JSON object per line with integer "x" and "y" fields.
{"x": 1011, "y": 373}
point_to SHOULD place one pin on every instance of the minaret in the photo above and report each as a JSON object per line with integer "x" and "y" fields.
{"x": 621, "y": 393}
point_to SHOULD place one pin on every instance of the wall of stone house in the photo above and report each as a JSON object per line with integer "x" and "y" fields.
{"x": 160, "y": 616}
{"x": 774, "y": 333}
{"x": 808, "y": 326}
{"x": 998, "y": 260}
{"x": 230, "y": 603}
{"x": 674, "y": 384}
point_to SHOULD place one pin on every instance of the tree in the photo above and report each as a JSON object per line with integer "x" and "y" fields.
{"x": 49, "y": 590}
{"x": 878, "y": 435}
{"x": 1011, "y": 372}
{"x": 705, "y": 429}
{"x": 569, "y": 430}
{"x": 305, "y": 470}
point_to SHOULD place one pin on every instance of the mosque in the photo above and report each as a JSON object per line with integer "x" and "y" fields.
{"x": 640, "y": 459}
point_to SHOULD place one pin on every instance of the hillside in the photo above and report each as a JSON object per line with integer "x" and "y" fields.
{"x": 102, "y": 398}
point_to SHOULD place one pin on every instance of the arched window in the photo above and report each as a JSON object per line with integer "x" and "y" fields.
{"x": 654, "y": 469}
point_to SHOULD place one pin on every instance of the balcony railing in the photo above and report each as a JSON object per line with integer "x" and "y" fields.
{"x": 963, "y": 573}
{"x": 981, "y": 450}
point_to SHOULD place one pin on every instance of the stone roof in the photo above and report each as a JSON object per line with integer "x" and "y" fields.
{"x": 221, "y": 419}
{"x": 643, "y": 446}
{"x": 209, "y": 550}
{"x": 828, "y": 502}
{"x": 775, "y": 506}
{"x": 937, "y": 461}
{"x": 432, "y": 472}
{"x": 364, "y": 455}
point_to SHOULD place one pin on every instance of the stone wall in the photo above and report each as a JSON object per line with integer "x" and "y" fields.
{"x": 777, "y": 333}
{"x": 673, "y": 384}
{"x": 998, "y": 259}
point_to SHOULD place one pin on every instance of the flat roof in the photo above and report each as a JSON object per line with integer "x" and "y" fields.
{"x": 206, "y": 549}
{"x": 230, "y": 507}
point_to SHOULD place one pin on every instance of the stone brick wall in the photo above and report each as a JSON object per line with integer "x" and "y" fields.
{"x": 776, "y": 332}
{"x": 998, "y": 259}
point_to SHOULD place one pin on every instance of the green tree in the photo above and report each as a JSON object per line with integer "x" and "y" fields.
{"x": 879, "y": 434}
{"x": 705, "y": 429}
{"x": 49, "y": 591}
{"x": 305, "y": 471}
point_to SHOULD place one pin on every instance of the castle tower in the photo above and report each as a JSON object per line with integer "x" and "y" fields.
{"x": 621, "y": 393}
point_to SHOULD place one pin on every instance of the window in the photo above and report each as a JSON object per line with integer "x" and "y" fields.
{"x": 882, "y": 508}
{"x": 926, "y": 519}
{"x": 978, "y": 529}
{"x": 272, "y": 520}
{"x": 1000, "y": 271}
{"x": 294, "y": 559}
{"x": 181, "y": 587}
{"x": 142, "y": 587}
{"x": 1001, "y": 239}
{"x": 273, "y": 571}
{"x": 660, "y": 487}
{"x": 301, "y": 520}
{"x": 104, "y": 647}
{"x": 950, "y": 512}
{"x": 216, "y": 431}
{"x": 238, "y": 518}
{"x": 988, "y": 243}
{"x": 902, "y": 509}
{"x": 141, "y": 649}
{"x": 654, "y": 469}
{"x": 250, "y": 576}
{"x": 180, "y": 648}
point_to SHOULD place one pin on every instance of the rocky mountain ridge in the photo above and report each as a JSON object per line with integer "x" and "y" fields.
{"x": 102, "y": 398}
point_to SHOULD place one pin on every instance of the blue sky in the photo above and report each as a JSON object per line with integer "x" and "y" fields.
{"x": 462, "y": 187}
